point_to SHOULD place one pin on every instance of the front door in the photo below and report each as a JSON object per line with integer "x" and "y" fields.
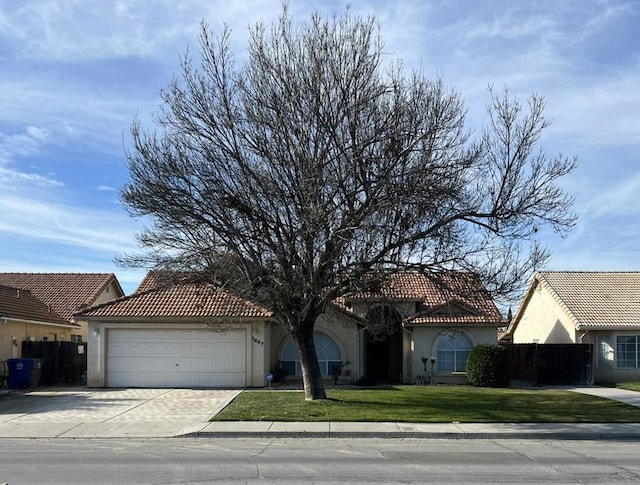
{"x": 384, "y": 359}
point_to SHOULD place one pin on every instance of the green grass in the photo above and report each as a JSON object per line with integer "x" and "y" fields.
{"x": 629, "y": 386}
{"x": 430, "y": 404}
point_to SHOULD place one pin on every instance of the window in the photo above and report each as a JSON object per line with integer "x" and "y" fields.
{"x": 453, "y": 351}
{"x": 627, "y": 351}
{"x": 76, "y": 338}
{"x": 327, "y": 350}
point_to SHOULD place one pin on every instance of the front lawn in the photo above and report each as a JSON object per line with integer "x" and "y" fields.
{"x": 430, "y": 404}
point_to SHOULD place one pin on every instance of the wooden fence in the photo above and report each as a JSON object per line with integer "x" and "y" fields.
{"x": 551, "y": 364}
{"x": 62, "y": 362}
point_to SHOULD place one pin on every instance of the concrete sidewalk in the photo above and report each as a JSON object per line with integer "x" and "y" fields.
{"x": 544, "y": 431}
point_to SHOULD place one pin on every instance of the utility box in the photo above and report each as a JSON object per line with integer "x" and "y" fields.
{"x": 19, "y": 373}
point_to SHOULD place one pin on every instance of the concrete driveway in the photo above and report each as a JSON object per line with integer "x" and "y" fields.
{"x": 109, "y": 413}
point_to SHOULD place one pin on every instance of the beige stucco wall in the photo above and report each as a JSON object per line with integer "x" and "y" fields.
{"x": 544, "y": 321}
{"x": 257, "y": 344}
{"x": 604, "y": 357}
{"x": 111, "y": 292}
{"x": 23, "y": 330}
{"x": 425, "y": 344}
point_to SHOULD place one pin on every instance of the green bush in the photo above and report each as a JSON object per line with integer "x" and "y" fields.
{"x": 488, "y": 366}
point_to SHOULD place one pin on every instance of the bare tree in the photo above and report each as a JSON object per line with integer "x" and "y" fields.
{"x": 316, "y": 162}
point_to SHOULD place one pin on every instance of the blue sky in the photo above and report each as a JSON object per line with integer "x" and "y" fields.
{"x": 74, "y": 73}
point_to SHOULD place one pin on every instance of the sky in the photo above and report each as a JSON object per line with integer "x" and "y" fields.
{"x": 75, "y": 73}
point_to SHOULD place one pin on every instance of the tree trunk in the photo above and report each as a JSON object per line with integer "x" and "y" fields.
{"x": 311, "y": 374}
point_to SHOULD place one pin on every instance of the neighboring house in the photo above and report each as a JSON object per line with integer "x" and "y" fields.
{"x": 24, "y": 317}
{"x": 41, "y": 306}
{"x": 599, "y": 308}
{"x": 192, "y": 334}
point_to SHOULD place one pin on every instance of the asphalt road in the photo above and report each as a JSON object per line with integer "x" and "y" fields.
{"x": 281, "y": 460}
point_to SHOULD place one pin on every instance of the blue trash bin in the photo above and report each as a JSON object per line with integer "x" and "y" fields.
{"x": 19, "y": 373}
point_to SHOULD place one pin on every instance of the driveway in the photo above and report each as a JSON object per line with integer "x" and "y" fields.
{"x": 109, "y": 413}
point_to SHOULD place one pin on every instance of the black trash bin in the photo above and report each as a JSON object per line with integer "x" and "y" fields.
{"x": 19, "y": 373}
{"x": 36, "y": 372}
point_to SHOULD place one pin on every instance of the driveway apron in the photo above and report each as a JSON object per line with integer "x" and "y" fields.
{"x": 104, "y": 413}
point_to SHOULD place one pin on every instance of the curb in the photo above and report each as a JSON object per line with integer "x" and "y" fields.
{"x": 567, "y": 436}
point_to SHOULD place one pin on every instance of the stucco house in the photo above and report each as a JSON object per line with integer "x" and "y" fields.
{"x": 192, "y": 334}
{"x": 41, "y": 306}
{"x": 598, "y": 308}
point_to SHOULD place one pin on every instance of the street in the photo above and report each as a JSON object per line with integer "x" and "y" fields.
{"x": 172, "y": 461}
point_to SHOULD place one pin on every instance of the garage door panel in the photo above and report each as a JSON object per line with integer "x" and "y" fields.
{"x": 174, "y": 358}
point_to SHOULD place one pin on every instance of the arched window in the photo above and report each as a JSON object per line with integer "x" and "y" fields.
{"x": 327, "y": 350}
{"x": 453, "y": 351}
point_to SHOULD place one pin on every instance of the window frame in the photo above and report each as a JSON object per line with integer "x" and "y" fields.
{"x": 293, "y": 366}
{"x": 624, "y": 352}
{"x": 454, "y": 360}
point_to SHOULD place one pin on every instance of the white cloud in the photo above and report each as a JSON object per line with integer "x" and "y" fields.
{"x": 106, "y": 188}
{"x": 76, "y": 30}
{"x": 623, "y": 199}
{"x": 10, "y": 179}
{"x": 604, "y": 110}
{"x": 102, "y": 231}
{"x": 22, "y": 144}
{"x": 13, "y": 147}
{"x": 37, "y": 133}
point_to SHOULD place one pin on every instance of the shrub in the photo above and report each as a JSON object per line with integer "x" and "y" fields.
{"x": 488, "y": 366}
{"x": 279, "y": 374}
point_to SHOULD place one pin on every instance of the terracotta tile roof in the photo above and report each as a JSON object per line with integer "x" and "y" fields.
{"x": 156, "y": 279}
{"x": 596, "y": 299}
{"x": 18, "y": 304}
{"x": 65, "y": 292}
{"x": 443, "y": 299}
{"x": 180, "y": 300}
{"x": 452, "y": 298}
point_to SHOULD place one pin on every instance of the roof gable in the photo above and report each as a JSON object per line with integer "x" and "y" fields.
{"x": 453, "y": 308}
{"x": 65, "y": 292}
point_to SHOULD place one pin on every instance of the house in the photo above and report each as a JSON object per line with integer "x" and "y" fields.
{"x": 192, "y": 334}
{"x": 23, "y": 316}
{"x": 41, "y": 306}
{"x": 598, "y": 308}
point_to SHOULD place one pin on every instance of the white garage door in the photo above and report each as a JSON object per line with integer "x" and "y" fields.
{"x": 176, "y": 358}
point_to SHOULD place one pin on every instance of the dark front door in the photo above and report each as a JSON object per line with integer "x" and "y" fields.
{"x": 384, "y": 359}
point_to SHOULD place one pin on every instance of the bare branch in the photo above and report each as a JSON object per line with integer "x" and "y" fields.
{"x": 293, "y": 176}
